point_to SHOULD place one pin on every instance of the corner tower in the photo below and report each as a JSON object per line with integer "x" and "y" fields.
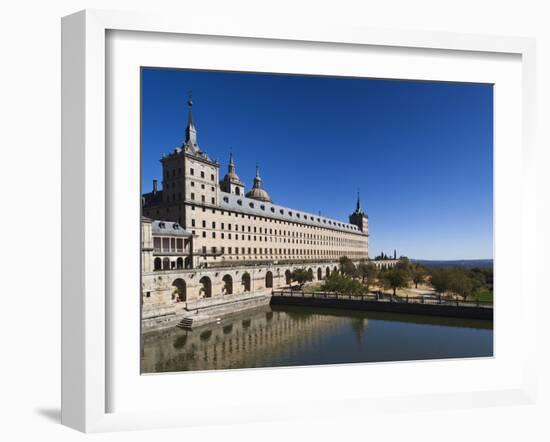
{"x": 189, "y": 178}
{"x": 359, "y": 218}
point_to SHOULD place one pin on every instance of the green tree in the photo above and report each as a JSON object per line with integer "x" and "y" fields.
{"x": 367, "y": 272}
{"x": 343, "y": 284}
{"x": 440, "y": 280}
{"x": 347, "y": 267}
{"x": 460, "y": 282}
{"x": 418, "y": 274}
{"x": 301, "y": 276}
{"x": 395, "y": 278}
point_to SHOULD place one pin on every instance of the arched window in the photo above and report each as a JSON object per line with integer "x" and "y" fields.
{"x": 237, "y": 190}
{"x": 227, "y": 285}
{"x": 166, "y": 264}
{"x": 206, "y": 287}
{"x": 158, "y": 264}
{"x": 245, "y": 281}
{"x": 180, "y": 290}
{"x": 319, "y": 273}
{"x": 179, "y": 263}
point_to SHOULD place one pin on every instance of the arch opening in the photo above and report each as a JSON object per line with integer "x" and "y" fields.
{"x": 245, "y": 281}
{"x": 206, "y": 289}
{"x": 269, "y": 280}
{"x": 180, "y": 290}
{"x": 158, "y": 264}
{"x": 227, "y": 285}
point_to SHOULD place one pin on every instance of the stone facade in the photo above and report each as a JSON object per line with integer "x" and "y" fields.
{"x": 230, "y": 228}
{"x": 206, "y": 238}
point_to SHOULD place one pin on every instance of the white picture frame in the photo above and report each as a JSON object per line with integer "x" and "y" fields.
{"x": 87, "y": 354}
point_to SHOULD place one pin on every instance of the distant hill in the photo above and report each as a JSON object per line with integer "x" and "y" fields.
{"x": 454, "y": 263}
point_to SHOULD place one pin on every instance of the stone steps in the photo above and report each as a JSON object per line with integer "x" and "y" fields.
{"x": 186, "y": 323}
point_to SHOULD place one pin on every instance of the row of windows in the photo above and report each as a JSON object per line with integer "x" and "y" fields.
{"x": 203, "y": 198}
{"x": 271, "y": 231}
{"x": 267, "y": 220}
{"x": 298, "y": 215}
{"x": 272, "y": 251}
{"x": 332, "y": 241}
{"x": 191, "y": 172}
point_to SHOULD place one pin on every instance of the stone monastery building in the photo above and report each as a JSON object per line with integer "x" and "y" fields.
{"x": 199, "y": 220}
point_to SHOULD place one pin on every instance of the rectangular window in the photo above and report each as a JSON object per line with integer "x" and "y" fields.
{"x": 202, "y": 174}
{"x": 203, "y": 223}
{"x": 193, "y": 197}
{"x": 222, "y": 249}
{"x": 204, "y": 234}
{"x": 223, "y": 235}
{"x": 213, "y": 200}
{"x": 230, "y": 250}
{"x": 165, "y": 244}
{"x": 213, "y": 224}
{"x": 212, "y": 178}
{"x": 223, "y": 226}
{"x": 156, "y": 244}
{"x": 213, "y": 234}
{"x": 192, "y": 223}
{"x": 202, "y": 198}
{"x": 192, "y": 172}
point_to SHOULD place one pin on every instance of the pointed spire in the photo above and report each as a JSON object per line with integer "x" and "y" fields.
{"x": 257, "y": 178}
{"x": 257, "y": 192}
{"x": 190, "y": 130}
{"x": 358, "y": 208}
{"x": 231, "y": 168}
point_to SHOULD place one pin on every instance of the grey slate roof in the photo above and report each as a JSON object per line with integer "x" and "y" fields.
{"x": 259, "y": 208}
{"x": 168, "y": 228}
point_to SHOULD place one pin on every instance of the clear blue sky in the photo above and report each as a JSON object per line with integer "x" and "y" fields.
{"x": 420, "y": 152}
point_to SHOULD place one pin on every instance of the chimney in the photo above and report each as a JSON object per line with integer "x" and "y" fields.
{"x": 155, "y": 187}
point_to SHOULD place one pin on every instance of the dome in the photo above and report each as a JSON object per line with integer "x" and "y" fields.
{"x": 259, "y": 194}
{"x": 231, "y": 176}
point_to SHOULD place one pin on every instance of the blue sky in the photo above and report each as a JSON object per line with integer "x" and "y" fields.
{"x": 421, "y": 153}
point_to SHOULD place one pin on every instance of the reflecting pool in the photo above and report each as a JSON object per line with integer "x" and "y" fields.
{"x": 274, "y": 336}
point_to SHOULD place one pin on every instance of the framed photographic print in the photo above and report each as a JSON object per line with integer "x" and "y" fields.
{"x": 266, "y": 222}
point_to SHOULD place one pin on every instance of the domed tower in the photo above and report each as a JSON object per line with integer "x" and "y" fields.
{"x": 231, "y": 182}
{"x": 257, "y": 192}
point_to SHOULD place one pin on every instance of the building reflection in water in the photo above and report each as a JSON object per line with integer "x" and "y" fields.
{"x": 256, "y": 340}
{"x": 290, "y": 336}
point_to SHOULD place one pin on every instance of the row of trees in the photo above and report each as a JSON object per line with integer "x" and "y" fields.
{"x": 356, "y": 279}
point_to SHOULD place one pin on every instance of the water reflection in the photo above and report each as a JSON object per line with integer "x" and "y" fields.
{"x": 287, "y": 336}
